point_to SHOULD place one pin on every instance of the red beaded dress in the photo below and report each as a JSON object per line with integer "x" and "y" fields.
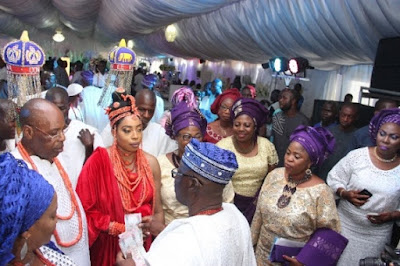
{"x": 104, "y": 199}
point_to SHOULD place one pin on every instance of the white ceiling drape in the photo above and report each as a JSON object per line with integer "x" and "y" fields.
{"x": 330, "y": 33}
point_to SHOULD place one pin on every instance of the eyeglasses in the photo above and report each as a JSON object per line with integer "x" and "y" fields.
{"x": 225, "y": 108}
{"x": 175, "y": 173}
{"x": 188, "y": 137}
{"x": 51, "y": 136}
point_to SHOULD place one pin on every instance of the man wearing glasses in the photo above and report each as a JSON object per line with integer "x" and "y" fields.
{"x": 42, "y": 141}
{"x": 215, "y": 233}
{"x": 80, "y": 139}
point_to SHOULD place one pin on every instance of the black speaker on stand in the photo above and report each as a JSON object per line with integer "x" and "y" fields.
{"x": 386, "y": 71}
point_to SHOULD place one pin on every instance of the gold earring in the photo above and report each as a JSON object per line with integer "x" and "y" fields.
{"x": 308, "y": 172}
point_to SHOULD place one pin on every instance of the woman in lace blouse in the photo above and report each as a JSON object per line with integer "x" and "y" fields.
{"x": 28, "y": 206}
{"x": 256, "y": 155}
{"x": 293, "y": 202}
{"x": 367, "y": 220}
{"x": 185, "y": 122}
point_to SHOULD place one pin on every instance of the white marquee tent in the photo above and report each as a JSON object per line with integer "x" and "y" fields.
{"x": 338, "y": 37}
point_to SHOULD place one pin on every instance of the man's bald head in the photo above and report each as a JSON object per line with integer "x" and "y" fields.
{"x": 36, "y": 111}
{"x": 42, "y": 126}
{"x": 145, "y": 95}
{"x": 146, "y": 104}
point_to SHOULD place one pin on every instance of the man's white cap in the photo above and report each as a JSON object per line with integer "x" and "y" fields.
{"x": 74, "y": 89}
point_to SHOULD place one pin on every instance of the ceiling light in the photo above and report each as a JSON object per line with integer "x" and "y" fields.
{"x": 130, "y": 44}
{"x": 58, "y": 37}
{"x": 170, "y": 33}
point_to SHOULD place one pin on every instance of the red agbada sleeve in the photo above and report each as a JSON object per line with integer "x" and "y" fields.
{"x": 98, "y": 191}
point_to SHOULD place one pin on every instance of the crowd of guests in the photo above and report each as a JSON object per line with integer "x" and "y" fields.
{"x": 218, "y": 180}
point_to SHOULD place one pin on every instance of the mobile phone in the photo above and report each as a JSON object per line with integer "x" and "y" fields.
{"x": 365, "y": 192}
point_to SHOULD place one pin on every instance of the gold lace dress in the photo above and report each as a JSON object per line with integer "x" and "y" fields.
{"x": 309, "y": 208}
{"x": 248, "y": 178}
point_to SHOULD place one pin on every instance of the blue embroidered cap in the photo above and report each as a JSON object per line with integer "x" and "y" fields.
{"x": 24, "y": 196}
{"x": 209, "y": 161}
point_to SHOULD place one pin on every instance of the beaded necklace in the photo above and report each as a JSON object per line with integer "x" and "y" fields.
{"x": 382, "y": 159}
{"x": 68, "y": 186}
{"x": 128, "y": 181}
{"x": 210, "y": 211}
{"x": 40, "y": 256}
{"x": 45, "y": 261}
{"x": 290, "y": 189}
{"x": 127, "y": 163}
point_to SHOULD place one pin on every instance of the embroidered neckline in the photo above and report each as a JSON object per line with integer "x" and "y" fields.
{"x": 210, "y": 211}
{"x": 68, "y": 186}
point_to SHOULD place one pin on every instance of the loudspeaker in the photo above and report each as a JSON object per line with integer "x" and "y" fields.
{"x": 386, "y": 71}
{"x": 171, "y": 59}
{"x": 265, "y": 65}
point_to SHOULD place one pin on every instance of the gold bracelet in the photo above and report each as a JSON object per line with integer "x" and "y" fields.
{"x": 341, "y": 193}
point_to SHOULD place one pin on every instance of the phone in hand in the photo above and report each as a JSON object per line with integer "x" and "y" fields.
{"x": 365, "y": 192}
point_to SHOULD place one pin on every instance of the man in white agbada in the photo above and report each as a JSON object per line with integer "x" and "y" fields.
{"x": 154, "y": 140}
{"x": 216, "y": 233}
{"x": 93, "y": 114}
{"x": 138, "y": 80}
{"x": 75, "y": 108}
{"x": 42, "y": 127}
{"x": 151, "y": 82}
{"x": 100, "y": 77}
{"x": 80, "y": 139}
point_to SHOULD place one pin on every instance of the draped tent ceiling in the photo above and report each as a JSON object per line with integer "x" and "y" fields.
{"x": 329, "y": 33}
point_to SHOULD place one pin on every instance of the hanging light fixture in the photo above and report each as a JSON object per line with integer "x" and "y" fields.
{"x": 130, "y": 44}
{"x": 170, "y": 33}
{"x": 58, "y": 37}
